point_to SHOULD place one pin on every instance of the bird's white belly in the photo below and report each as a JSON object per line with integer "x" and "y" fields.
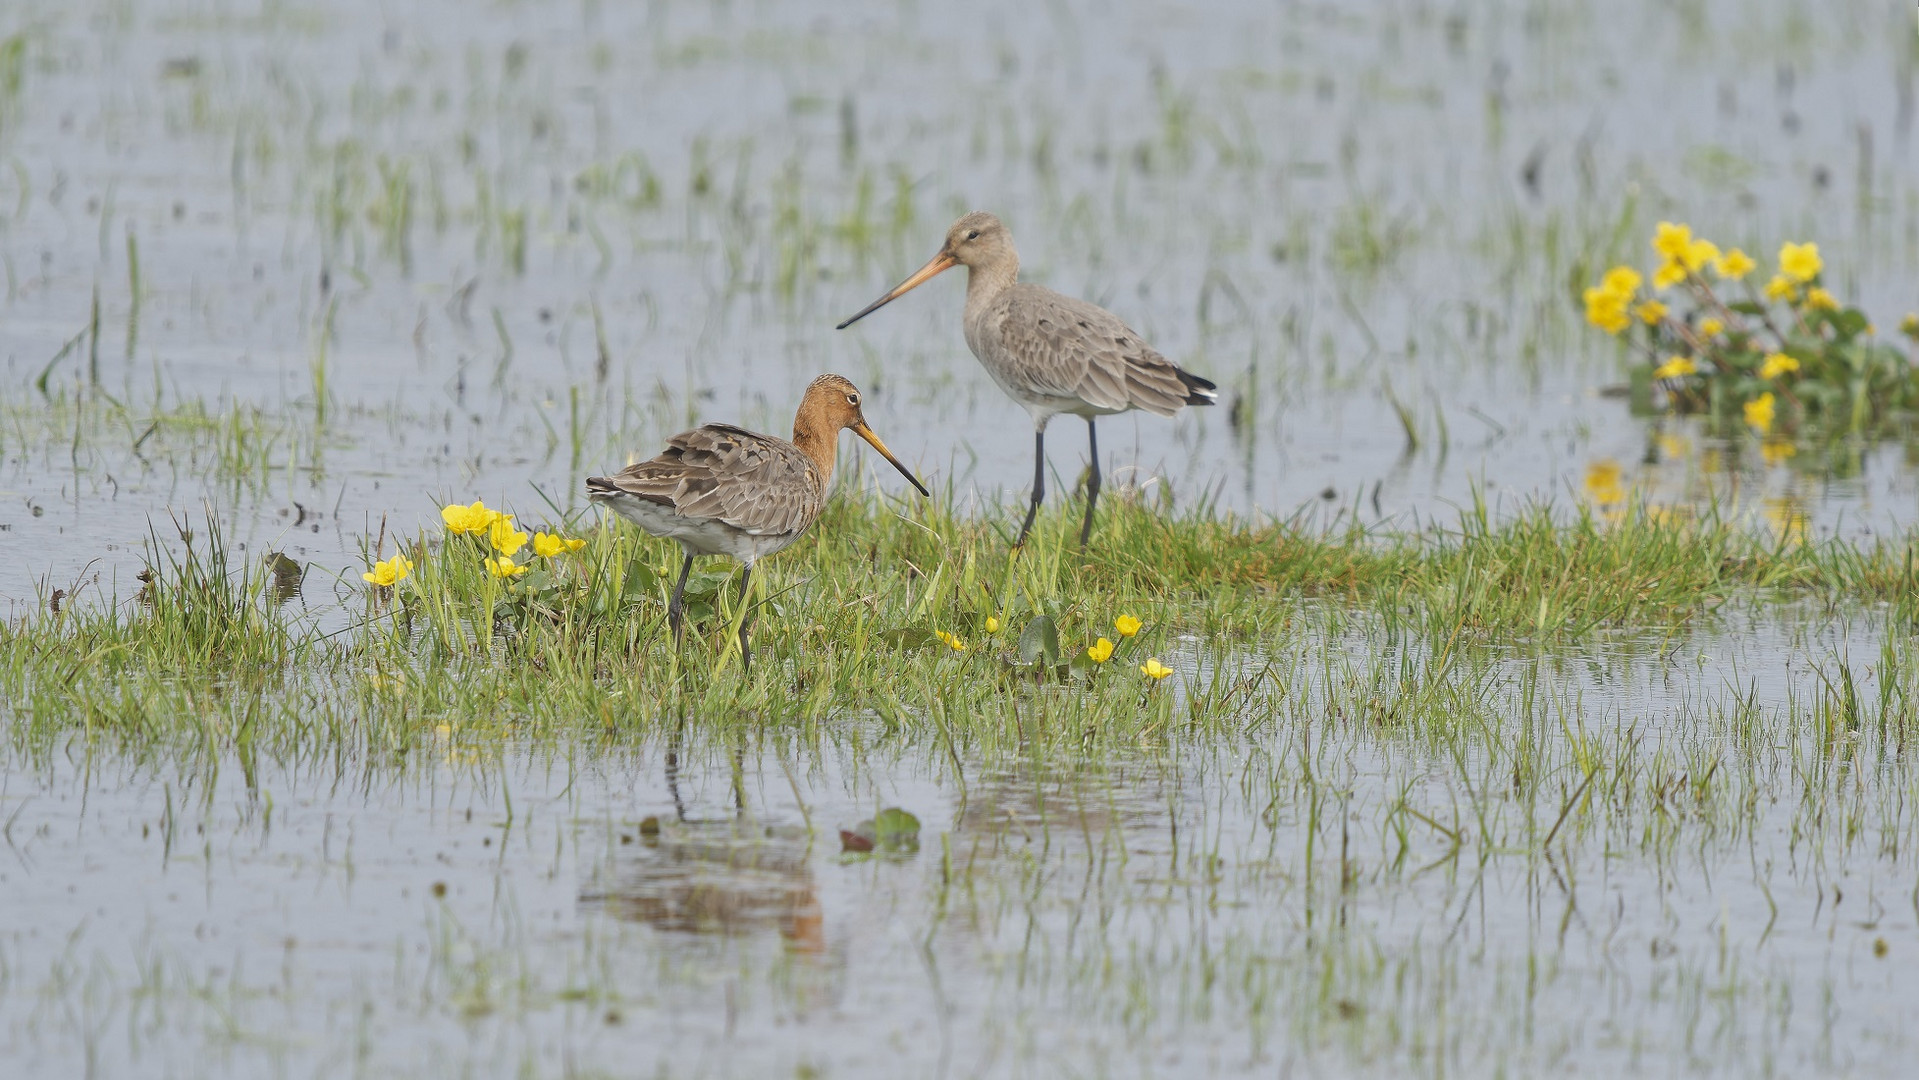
{"x": 703, "y": 536}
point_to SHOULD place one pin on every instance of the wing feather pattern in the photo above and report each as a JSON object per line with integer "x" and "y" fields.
{"x": 1068, "y": 348}
{"x": 757, "y": 484}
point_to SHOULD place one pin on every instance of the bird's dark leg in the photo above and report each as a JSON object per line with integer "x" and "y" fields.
{"x": 1039, "y": 484}
{"x": 746, "y": 613}
{"x": 1092, "y": 484}
{"x": 676, "y": 608}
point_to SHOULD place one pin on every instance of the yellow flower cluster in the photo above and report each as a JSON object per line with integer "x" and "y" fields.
{"x": 1607, "y": 303}
{"x": 1102, "y": 650}
{"x": 503, "y": 537}
{"x": 477, "y": 518}
{"x": 951, "y": 640}
{"x": 1777, "y": 364}
{"x": 1759, "y": 412}
{"x": 1684, "y": 255}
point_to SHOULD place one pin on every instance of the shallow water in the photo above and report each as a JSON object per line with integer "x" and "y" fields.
{"x": 1284, "y": 900}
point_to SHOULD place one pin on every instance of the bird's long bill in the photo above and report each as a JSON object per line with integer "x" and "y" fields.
{"x": 873, "y": 440}
{"x": 934, "y": 267}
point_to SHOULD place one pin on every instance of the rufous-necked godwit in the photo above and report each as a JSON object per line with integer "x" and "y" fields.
{"x": 1051, "y": 353}
{"x": 723, "y": 490}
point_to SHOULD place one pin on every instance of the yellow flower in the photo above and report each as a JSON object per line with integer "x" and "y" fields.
{"x": 1777, "y": 364}
{"x": 956, "y": 644}
{"x": 1698, "y": 254}
{"x": 504, "y": 568}
{"x": 1605, "y": 482}
{"x": 1621, "y": 281}
{"x": 1675, "y": 368}
{"x": 1759, "y": 412}
{"x": 1909, "y": 326}
{"x": 1800, "y": 262}
{"x": 1821, "y": 299}
{"x": 1127, "y": 625}
{"x": 1776, "y": 450}
{"x": 1607, "y": 310}
{"x": 1155, "y": 669}
{"x": 1100, "y": 651}
{"x": 1711, "y": 328}
{"x": 1671, "y": 240}
{"x": 468, "y": 519}
{"x": 1650, "y": 312}
{"x": 389, "y": 571}
{"x": 992, "y": 624}
{"x": 505, "y": 539}
{"x": 546, "y": 545}
{"x": 1781, "y": 287}
{"x": 1668, "y": 275}
{"x": 1734, "y": 265}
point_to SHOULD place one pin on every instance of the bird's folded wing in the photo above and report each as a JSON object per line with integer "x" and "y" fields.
{"x": 722, "y": 473}
{"x": 1073, "y": 349}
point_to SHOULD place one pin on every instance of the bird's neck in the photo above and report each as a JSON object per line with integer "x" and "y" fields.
{"x": 987, "y": 281}
{"x": 817, "y": 442}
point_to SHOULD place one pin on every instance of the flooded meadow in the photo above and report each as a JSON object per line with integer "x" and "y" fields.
{"x": 1475, "y": 716}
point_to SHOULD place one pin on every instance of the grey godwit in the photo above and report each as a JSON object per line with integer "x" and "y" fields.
{"x": 723, "y": 490}
{"x": 1051, "y": 353}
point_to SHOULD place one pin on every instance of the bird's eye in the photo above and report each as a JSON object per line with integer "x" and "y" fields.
{"x": 852, "y": 399}
{"x": 974, "y": 235}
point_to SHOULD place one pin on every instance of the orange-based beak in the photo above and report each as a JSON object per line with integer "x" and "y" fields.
{"x": 934, "y": 267}
{"x": 873, "y": 440}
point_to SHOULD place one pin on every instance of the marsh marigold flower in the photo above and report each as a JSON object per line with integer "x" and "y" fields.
{"x": 1698, "y": 254}
{"x": 1671, "y": 240}
{"x": 1759, "y": 412}
{"x": 1909, "y": 326}
{"x": 1781, "y": 287}
{"x": 1607, "y": 310}
{"x": 1100, "y": 651}
{"x": 546, "y": 545}
{"x": 504, "y": 568}
{"x": 1670, "y": 273}
{"x": 992, "y": 624}
{"x": 1651, "y": 311}
{"x": 1734, "y": 265}
{"x": 1154, "y": 669}
{"x": 1127, "y": 625}
{"x": 1821, "y": 299}
{"x": 1800, "y": 262}
{"x": 1711, "y": 328}
{"x": 1621, "y": 281}
{"x": 505, "y": 539}
{"x": 1676, "y": 367}
{"x": 951, "y": 640}
{"x": 468, "y": 519}
{"x": 388, "y": 572}
{"x": 1777, "y": 364}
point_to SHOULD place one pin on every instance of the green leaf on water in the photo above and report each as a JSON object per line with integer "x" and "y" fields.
{"x": 1039, "y": 642}
{"x": 894, "y": 828}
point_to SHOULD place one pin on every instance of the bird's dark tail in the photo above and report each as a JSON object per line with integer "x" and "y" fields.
{"x": 1198, "y": 391}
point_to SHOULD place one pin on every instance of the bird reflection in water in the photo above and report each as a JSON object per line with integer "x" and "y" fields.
{"x": 730, "y": 876}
